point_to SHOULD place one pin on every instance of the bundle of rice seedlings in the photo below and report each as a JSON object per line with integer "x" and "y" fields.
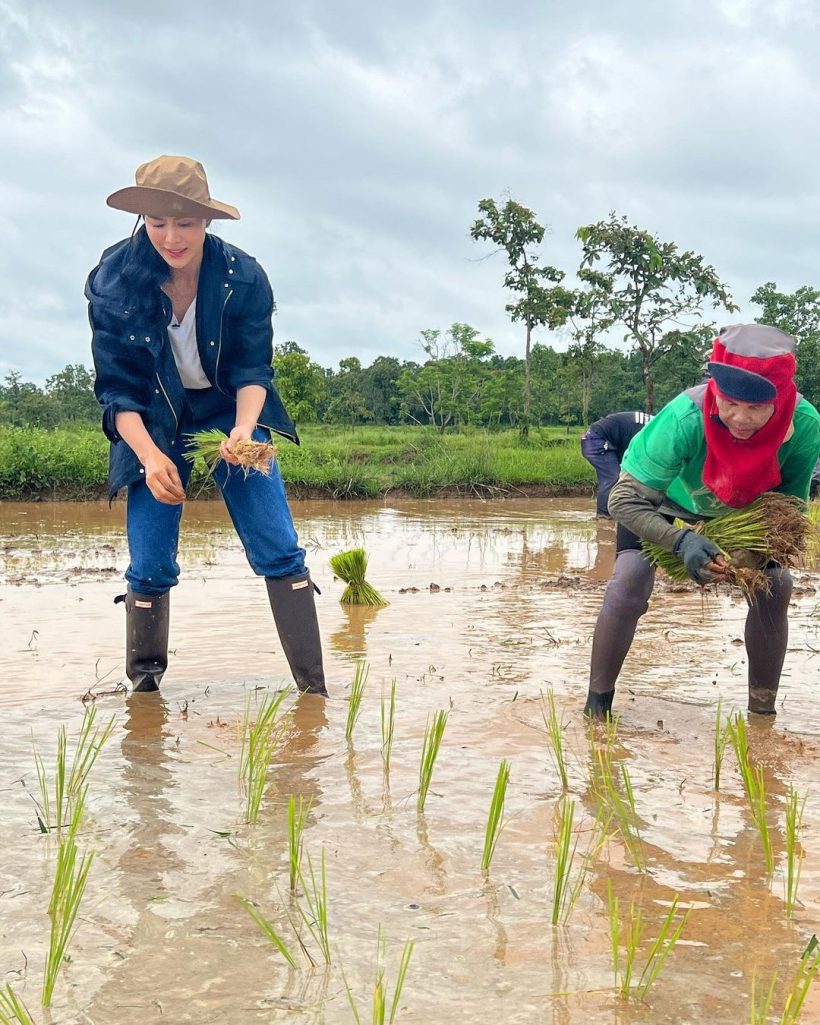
{"x": 252, "y": 455}
{"x": 773, "y": 528}
{"x": 351, "y": 567}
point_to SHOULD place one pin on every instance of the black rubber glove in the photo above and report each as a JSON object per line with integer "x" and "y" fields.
{"x": 695, "y": 550}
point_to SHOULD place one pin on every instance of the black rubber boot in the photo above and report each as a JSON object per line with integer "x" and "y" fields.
{"x": 146, "y": 638}
{"x": 599, "y": 706}
{"x": 767, "y": 637}
{"x": 294, "y": 612}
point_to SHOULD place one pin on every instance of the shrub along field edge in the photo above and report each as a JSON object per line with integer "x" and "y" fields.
{"x": 365, "y": 462}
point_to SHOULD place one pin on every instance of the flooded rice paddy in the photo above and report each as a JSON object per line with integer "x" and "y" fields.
{"x": 492, "y": 603}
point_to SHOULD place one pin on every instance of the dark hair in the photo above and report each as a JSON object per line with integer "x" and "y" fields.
{"x": 143, "y": 271}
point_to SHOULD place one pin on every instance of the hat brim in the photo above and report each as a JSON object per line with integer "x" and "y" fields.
{"x": 139, "y": 199}
{"x": 742, "y": 385}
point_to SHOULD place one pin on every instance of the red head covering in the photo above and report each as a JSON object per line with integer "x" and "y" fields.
{"x": 738, "y": 470}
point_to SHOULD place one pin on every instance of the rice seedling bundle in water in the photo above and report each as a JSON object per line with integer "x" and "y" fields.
{"x": 351, "y": 567}
{"x": 252, "y": 455}
{"x": 772, "y": 528}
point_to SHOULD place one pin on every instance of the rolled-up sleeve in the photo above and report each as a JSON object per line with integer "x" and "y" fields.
{"x": 120, "y": 382}
{"x": 252, "y": 337}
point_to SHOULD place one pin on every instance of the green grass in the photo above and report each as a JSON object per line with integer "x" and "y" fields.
{"x": 388, "y": 725}
{"x": 340, "y": 463}
{"x": 754, "y": 784}
{"x": 357, "y": 689}
{"x": 54, "y": 811}
{"x": 496, "y": 815}
{"x": 268, "y": 929}
{"x": 433, "y": 733}
{"x": 721, "y": 738}
{"x": 261, "y": 733}
{"x": 297, "y": 819}
{"x": 555, "y": 735}
{"x": 803, "y": 978}
{"x": 379, "y": 1007}
{"x": 70, "y": 880}
{"x": 616, "y": 807}
{"x": 568, "y": 881}
{"x": 12, "y": 1009}
{"x": 627, "y": 982}
{"x": 794, "y": 857}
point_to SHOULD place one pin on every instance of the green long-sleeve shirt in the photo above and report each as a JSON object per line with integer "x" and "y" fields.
{"x": 668, "y": 455}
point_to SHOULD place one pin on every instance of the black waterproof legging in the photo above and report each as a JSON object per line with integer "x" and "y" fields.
{"x": 626, "y": 599}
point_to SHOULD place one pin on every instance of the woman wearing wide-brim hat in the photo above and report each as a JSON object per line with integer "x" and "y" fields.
{"x": 182, "y": 342}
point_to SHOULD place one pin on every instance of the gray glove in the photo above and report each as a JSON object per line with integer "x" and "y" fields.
{"x": 694, "y": 550}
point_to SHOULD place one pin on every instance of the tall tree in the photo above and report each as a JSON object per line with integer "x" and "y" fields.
{"x": 347, "y": 402}
{"x": 300, "y": 382}
{"x": 449, "y": 385}
{"x": 513, "y": 229}
{"x": 72, "y": 389}
{"x": 656, "y": 287}
{"x": 798, "y": 313}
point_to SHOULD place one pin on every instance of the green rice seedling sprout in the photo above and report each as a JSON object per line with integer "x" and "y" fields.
{"x": 251, "y": 455}
{"x": 495, "y": 818}
{"x": 268, "y": 930}
{"x": 773, "y": 527}
{"x": 388, "y": 721}
{"x": 314, "y": 906}
{"x": 380, "y": 988}
{"x": 659, "y": 951}
{"x": 804, "y": 976}
{"x": 69, "y": 780}
{"x": 433, "y": 732}
{"x": 351, "y": 568}
{"x": 794, "y": 858}
{"x": 354, "y": 707}
{"x": 260, "y": 739}
{"x": 566, "y": 891}
{"x": 297, "y": 818}
{"x": 70, "y": 880}
{"x": 555, "y": 735}
{"x": 565, "y": 849}
{"x": 620, "y": 809}
{"x": 754, "y": 784}
{"x": 759, "y": 1007}
{"x": 12, "y": 1009}
{"x": 721, "y": 737}
{"x": 662, "y": 947}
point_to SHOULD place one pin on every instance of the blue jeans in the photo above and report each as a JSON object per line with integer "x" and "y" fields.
{"x": 607, "y": 467}
{"x": 257, "y": 506}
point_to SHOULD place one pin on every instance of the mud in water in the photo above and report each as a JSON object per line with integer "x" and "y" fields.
{"x": 491, "y": 605}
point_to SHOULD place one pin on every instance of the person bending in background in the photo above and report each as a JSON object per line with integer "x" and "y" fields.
{"x": 714, "y": 448}
{"x": 815, "y": 480}
{"x": 604, "y": 445}
{"x": 182, "y": 342}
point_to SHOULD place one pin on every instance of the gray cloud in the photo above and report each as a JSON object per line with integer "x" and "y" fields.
{"x": 357, "y": 140}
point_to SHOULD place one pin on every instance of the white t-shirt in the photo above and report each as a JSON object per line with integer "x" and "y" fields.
{"x": 182, "y": 335}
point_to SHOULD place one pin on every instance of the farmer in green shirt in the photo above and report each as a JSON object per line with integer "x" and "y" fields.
{"x": 714, "y": 448}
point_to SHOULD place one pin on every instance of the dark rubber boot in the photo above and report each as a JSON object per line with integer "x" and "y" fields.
{"x": 146, "y": 638}
{"x": 626, "y": 599}
{"x": 599, "y": 706}
{"x": 767, "y": 636}
{"x": 294, "y": 612}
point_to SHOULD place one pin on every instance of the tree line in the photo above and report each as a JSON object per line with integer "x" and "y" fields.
{"x": 630, "y": 285}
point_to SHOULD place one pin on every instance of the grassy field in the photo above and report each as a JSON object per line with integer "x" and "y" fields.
{"x": 339, "y": 463}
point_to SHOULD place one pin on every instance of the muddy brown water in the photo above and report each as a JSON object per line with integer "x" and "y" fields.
{"x": 491, "y": 604}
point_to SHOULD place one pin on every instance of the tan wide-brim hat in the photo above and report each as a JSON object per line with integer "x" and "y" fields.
{"x": 171, "y": 187}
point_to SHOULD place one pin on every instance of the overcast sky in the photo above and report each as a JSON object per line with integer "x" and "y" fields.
{"x": 357, "y": 139}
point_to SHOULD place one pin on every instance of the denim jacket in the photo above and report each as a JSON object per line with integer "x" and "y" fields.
{"x": 135, "y": 368}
